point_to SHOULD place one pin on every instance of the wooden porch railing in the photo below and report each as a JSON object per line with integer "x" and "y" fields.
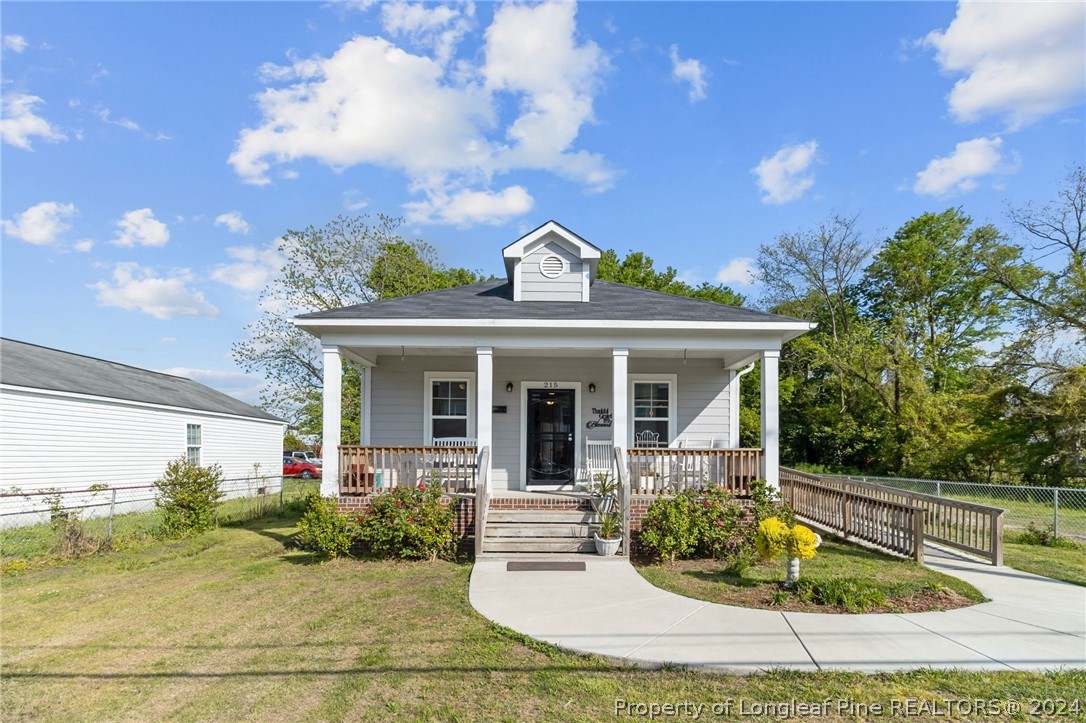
{"x": 624, "y": 495}
{"x": 365, "y": 470}
{"x": 889, "y": 524}
{"x": 976, "y": 529}
{"x": 482, "y": 499}
{"x": 657, "y": 471}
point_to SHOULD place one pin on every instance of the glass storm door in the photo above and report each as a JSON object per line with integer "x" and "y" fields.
{"x": 550, "y": 436}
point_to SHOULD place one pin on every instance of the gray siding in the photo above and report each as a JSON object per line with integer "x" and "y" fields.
{"x": 534, "y": 286}
{"x": 398, "y": 396}
{"x": 702, "y": 403}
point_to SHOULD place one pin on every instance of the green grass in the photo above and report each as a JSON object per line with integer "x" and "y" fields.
{"x": 842, "y": 577}
{"x": 1066, "y": 562}
{"x": 230, "y": 625}
{"x": 34, "y": 544}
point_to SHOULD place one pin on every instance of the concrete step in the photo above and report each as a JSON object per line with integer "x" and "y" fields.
{"x": 554, "y": 529}
{"x": 538, "y": 544}
{"x": 534, "y": 516}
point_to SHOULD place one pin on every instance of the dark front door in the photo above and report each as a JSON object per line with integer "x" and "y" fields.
{"x": 550, "y": 436}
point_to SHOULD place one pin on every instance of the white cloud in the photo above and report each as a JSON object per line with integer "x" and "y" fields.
{"x": 168, "y": 339}
{"x": 19, "y": 123}
{"x": 105, "y": 114}
{"x": 1022, "y": 61}
{"x": 83, "y": 245}
{"x": 362, "y": 104}
{"x": 141, "y": 228}
{"x": 739, "y": 270}
{"x": 691, "y": 72}
{"x": 353, "y": 200}
{"x": 465, "y": 207}
{"x": 137, "y": 288}
{"x": 233, "y": 221}
{"x": 438, "y": 28}
{"x": 960, "y": 170}
{"x": 783, "y": 177}
{"x": 42, "y": 223}
{"x": 252, "y": 269}
{"x": 15, "y": 43}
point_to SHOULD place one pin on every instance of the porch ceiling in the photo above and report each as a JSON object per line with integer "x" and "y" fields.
{"x": 729, "y": 358}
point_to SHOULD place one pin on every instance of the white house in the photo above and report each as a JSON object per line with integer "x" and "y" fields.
{"x": 69, "y": 422}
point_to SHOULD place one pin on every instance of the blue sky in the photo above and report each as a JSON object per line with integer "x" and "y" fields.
{"x": 153, "y": 152}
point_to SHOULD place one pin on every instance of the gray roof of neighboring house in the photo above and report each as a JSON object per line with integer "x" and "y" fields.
{"x": 494, "y": 300}
{"x": 39, "y": 367}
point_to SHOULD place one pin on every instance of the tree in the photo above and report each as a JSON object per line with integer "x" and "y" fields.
{"x": 348, "y": 261}
{"x": 637, "y": 269}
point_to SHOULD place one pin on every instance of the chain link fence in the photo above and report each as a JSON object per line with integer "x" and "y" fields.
{"x": 71, "y": 523}
{"x": 1060, "y": 509}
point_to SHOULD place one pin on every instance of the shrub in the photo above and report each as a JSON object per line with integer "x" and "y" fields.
{"x": 71, "y": 539}
{"x": 323, "y": 528}
{"x": 766, "y": 503}
{"x": 188, "y": 497}
{"x": 1045, "y": 536}
{"x": 724, "y": 530}
{"x": 670, "y": 527}
{"x": 408, "y": 523}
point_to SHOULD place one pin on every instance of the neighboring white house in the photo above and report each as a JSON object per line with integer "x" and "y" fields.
{"x": 69, "y": 421}
{"x": 537, "y": 365}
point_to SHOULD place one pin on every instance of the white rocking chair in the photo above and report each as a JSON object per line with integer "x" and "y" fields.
{"x": 599, "y": 458}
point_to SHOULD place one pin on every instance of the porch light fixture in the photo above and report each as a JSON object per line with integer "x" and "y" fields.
{"x": 592, "y": 388}
{"x": 509, "y": 387}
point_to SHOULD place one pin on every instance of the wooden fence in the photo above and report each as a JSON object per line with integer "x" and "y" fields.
{"x": 658, "y": 471}
{"x": 365, "y": 470}
{"x": 894, "y": 526}
{"x": 976, "y": 529}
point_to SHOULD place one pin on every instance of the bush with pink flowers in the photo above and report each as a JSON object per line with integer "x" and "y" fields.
{"x": 409, "y": 523}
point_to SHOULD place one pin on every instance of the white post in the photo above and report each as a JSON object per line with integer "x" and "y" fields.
{"x": 332, "y": 415}
{"x": 367, "y": 405}
{"x": 734, "y": 382}
{"x": 620, "y": 413}
{"x": 484, "y": 395}
{"x": 771, "y": 418}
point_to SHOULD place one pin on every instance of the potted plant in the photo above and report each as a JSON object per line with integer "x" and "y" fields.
{"x": 608, "y": 534}
{"x": 604, "y": 493}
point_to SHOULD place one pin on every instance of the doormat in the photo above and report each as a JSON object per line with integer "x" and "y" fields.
{"x": 544, "y": 566}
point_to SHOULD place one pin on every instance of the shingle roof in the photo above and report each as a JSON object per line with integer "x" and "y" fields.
{"x": 39, "y": 367}
{"x": 494, "y": 300}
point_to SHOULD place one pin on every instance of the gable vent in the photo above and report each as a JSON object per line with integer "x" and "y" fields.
{"x": 552, "y": 267}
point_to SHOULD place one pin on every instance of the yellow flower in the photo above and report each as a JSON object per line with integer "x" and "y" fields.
{"x": 802, "y": 543}
{"x": 772, "y": 538}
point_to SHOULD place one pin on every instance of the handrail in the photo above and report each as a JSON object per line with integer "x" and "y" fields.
{"x": 623, "y": 502}
{"x": 891, "y": 525}
{"x": 482, "y": 498}
{"x": 667, "y": 470}
{"x": 967, "y": 526}
{"x": 366, "y": 470}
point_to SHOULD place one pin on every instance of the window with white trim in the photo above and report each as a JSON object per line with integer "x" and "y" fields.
{"x": 194, "y": 440}
{"x": 652, "y": 403}
{"x": 450, "y": 406}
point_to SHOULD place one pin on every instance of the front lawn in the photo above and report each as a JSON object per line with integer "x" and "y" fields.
{"x": 1067, "y": 563}
{"x": 230, "y": 625}
{"x": 841, "y": 578}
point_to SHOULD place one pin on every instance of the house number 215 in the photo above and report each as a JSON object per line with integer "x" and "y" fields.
{"x": 550, "y": 385}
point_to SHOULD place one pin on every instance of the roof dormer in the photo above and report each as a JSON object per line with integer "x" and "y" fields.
{"x": 551, "y": 263}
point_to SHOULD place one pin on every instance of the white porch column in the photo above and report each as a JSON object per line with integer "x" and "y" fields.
{"x": 620, "y": 385}
{"x": 734, "y": 381}
{"x": 484, "y": 395}
{"x": 332, "y": 396}
{"x": 771, "y": 418}
{"x": 367, "y": 405}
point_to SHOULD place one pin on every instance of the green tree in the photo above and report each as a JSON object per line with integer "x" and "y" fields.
{"x": 637, "y": 269}
{"x": 348, "y": 261}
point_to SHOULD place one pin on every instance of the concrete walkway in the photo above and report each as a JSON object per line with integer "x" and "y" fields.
{"x": 1031, "y": 623}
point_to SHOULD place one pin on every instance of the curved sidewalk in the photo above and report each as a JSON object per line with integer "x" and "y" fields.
{"x": 1031, "y": 623}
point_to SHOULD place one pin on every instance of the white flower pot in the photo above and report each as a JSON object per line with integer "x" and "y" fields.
{"x": 607, "y": 548}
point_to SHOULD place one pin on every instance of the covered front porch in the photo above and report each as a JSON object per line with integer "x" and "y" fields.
{"x": 549, "y": 421}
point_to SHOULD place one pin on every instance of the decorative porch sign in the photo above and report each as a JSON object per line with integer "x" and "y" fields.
{"x": 602, "y": 420}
